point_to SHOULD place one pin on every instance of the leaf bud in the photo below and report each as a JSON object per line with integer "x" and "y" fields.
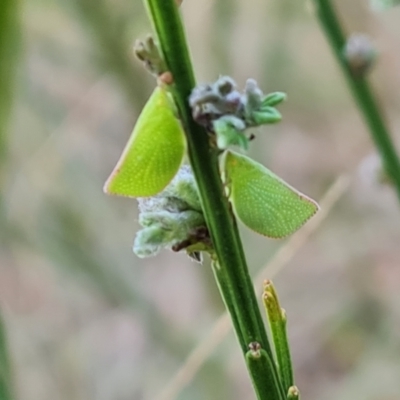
{"x": 147, "y": 51}
{"x": 359, "y": 54}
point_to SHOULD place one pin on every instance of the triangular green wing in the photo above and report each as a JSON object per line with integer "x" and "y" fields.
{"x": 263, "y": 201}
{"x": 153, "y": 153}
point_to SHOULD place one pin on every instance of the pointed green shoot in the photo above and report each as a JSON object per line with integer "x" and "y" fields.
{"x": 154, "y": 152}
{"x": 263, "y": 201}
{"x": 277, "y": 323}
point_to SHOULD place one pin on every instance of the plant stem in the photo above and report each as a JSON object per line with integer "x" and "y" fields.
{"x": 230, "y": 269}
{"x": 9, "y": 52}
{"x": 257, "y": 362}
{"x": 5, "y": 366}
{"x": 361, "y": 92}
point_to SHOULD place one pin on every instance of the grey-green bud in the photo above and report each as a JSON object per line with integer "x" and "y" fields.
{"x": 359, "y": 54}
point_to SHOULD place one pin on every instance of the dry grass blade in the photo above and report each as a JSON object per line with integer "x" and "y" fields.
{"x": 223, "y": 325}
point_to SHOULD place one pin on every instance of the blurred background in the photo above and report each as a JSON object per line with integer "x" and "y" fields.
{"x": 84, "y": 317}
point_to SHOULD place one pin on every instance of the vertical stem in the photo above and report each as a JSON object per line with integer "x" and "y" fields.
{"x": 9, "y": 51}
{"x": 5, "y": 366}
{"x": 230, "y": 269}
{"x": 257, "y": 362}
{"x": 362, "y": 93}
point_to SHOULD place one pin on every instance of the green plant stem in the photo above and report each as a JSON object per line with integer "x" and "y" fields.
{"x": 230, "y": 270}
{"x": 361, "y": 92}
{"x": 9, "y": 52}
{"x": 5, "y": 367}
{"x": 257, "y": 362}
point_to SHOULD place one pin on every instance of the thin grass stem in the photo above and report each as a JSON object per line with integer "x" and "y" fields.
{"x": 361, "y": 91}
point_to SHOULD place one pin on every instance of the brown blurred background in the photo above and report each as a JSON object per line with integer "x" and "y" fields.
{"x": 86, "y": 319}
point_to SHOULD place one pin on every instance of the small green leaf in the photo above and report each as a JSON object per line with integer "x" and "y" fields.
{"x": 230, "y": 131}
{"x": 273, "y": 99}
{"x": 266, "y": 115}
{"x": 153, "y": 153}
{"x": 263, "y": 201}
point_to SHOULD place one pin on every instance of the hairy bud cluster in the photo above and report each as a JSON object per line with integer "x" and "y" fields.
{"x": 227, "y": 113}
{"x": 173, "y": 219}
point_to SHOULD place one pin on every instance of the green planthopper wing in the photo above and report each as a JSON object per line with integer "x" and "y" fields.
{"x": 263, "y": 201}
{"x": 153, "y": 153}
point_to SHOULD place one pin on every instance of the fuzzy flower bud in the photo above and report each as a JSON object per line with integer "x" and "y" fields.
{"x": 173, "y": 219}
{"x": 226, "y": 113}
{"x": 253, "y": 95}
{"x": 359, "y": 54}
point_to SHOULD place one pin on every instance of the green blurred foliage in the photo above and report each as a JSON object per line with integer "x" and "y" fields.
{"x": 9, "y": 46}
{"x": 85, "y": 318}
{"x": 6, "y": 375}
